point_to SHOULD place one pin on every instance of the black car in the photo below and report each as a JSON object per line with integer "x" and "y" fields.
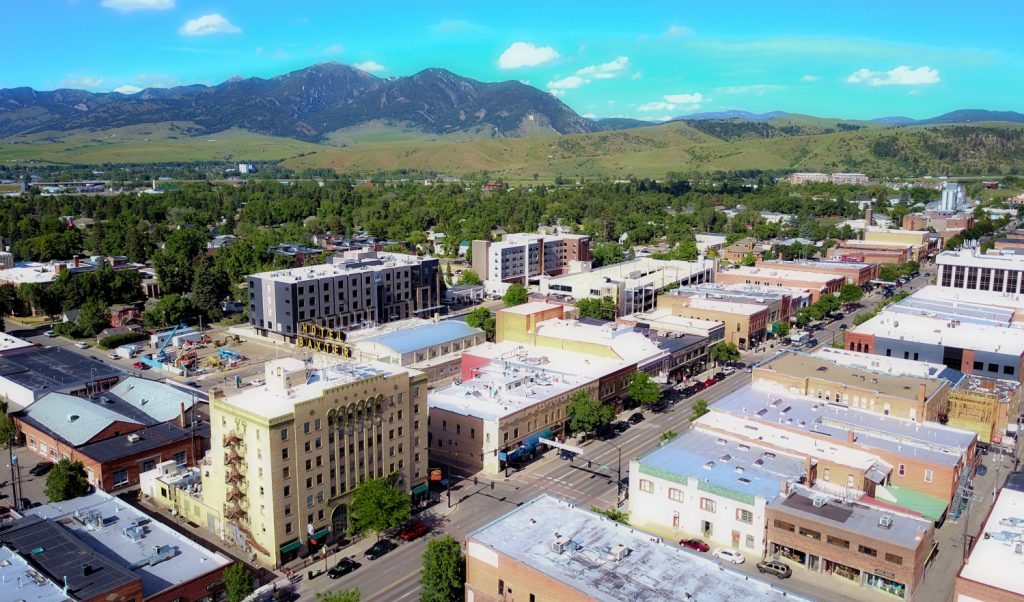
{"x": 687, "y": 392}
{"x": 379, "y": 549}
{"x": 605, "y": 432}
{"x": 621, "y": 426}
{"x": 40, "y": 469}
{"x": 344, "y": 567}
{"x": 720, "y": 376}
{"x": 636, "y": 418}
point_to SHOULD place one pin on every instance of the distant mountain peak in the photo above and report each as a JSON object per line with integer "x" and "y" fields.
{"x": 730, "y": 114}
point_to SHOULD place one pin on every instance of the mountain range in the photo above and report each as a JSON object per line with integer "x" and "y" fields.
{"x": 309, "y": 104}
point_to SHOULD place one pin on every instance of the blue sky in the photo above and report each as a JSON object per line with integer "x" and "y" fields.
{"x": 644, "y": 59}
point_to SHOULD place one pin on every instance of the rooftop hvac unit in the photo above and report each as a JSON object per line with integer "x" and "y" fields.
{"x": 133, "y": 438}
{"x": 1018, "y": 547}
{"x": 560, "y": 543}
{"x": 819, "y": 501}
{"x": 885, "y": 521}
{"x": 619, "y": 551}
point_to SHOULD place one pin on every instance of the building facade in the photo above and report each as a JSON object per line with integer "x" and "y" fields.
{"x": 746, "y": 322}
{"x": 521, "y": 257}
{"x": 855, "y": 272}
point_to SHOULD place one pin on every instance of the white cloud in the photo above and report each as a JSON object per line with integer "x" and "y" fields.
{"x": 370, "y": 66}
{"x": 809, "y": 78}
{"x": 207, "y": 25}
{"x": 755, "y": 89}
{"x": 86, "y": 82}
{"x": 567, "y": 83}
{"x": 557, "y": 93}
{"x": 685, "y": 99}
{"x": 900, "y": 76}
{"x": 334, "y": 50}
{"x": 133, "y": 5}
{"x": 609, "y": 70}
{"x": 525, "y": 54}
{"x": 656, "y": 106}
{"x": 589, "y": 116}
{"x": 128, "y": 89}
{"x": 679, "y": 30}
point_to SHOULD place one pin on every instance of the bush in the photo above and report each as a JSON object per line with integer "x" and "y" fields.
{"x": 116, "y": 340}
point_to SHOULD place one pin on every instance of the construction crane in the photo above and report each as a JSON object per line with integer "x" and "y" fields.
{"x": 160, "y": 355}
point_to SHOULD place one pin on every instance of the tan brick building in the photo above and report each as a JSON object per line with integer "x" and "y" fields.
{"x": 746, "y": 324}
{"x": 855, "y": 272}
{"x": 817, "y": 283}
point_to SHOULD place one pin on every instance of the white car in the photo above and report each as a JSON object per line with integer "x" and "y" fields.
{"x": 259, "y": 382}
{"x": 728, "y": 555}
{"x": 113, "y": 355}
{"x": 82, "y": 345}
{"x": 729, "y": 370}
{"x": 50, "y": 334}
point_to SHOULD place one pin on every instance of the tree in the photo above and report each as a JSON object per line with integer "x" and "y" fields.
{"x": 780, "y": 329}
{"x": 170, "y": 310}
{"x": 378, "y": 505}
{"x": 481, "y": 318}
{"x": 600, "y": 309}
{"x": 175, "y": 265}
{"x": 586, "y": 414}
{"x": 448, "y": 276}
{"x": 92, "y": 319}
{"x": 619, "y": 516}
{"x": 723, "y": 352}
{"x": 444, "y": 571}
{"x": 850, "y": 293}
{"x": 8, "y": 302}
{"x": 700, "y": 407}
{"x": 515, "y": 295}
{"x": 643, "y": 389}
{"x": 470, "y": 277}
{"x": 749, "y": 260}
{"x": 606, "y": 253}
{"x": 8, "y": 428}
{"x": 668, "y": 435}
{"x": 238, "y": 582}
{"x": 342, "y": 595}
{"x": 209, "y": 287}
{"x": 888, "y": 273}
{"x": 66, "y": 481}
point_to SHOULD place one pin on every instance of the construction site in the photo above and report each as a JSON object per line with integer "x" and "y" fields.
{"x": 185, "y": 352}
{"x": 986, "y": 406}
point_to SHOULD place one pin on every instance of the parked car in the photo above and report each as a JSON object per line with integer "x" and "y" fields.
{"x": 50, "y": 334}
{"x": 113, "y": 355}
{"x": 344, "y": 567}
{"x": 695, "y": 544}
{"x": 720, "y": 376}
{"x": 259, "y": 382}
{"x": 605, "y": 432}
{"x": 728, "y": 555}
{"x": 775, "y": 567}
{"x": 621, "y": 426}
{"x": 811, "y": 343}
{"x": 82, "y": 345}
{"x": 379, "y": 549}
{"x": 728, "y": 370}
{"x": 192, "y": 383}
{"x": 140, "y": 366}
{"x": 40, "y": 469}
{"x": 709, "y": 382}
{"x": 414, "y": 530}
{"x": 636, "y": 418}
{"x": 698, "y": 387}
{"x": 688, "y": 392}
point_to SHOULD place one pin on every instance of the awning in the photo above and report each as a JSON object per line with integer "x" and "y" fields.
{"x": 290, "y": 547}
{"x": 421, "y": 488}
{"x": 321, "y": 533}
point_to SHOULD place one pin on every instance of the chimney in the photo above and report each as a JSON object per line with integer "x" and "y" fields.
{"x": 78, "y": 262}
{"x": 181, "y": 415}
{"x": 850, "y": 437}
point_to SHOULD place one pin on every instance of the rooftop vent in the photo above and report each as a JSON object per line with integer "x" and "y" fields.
{"x": 619, "y": 551}
{"x": 561, "y": 543}
{"x": 72, "y": 417}
{"x": 819, "y": 501}
{"x": 134, "y": 438}
{"x": 709, "y": 465}
{"x": 885, "y": 521}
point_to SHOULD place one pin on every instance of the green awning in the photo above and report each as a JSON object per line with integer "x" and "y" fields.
{"x": 421, "y": 488}
{"x": 928, "y": 506}
{"x": 290, "y": 547}
{"x": 321, "y": 533}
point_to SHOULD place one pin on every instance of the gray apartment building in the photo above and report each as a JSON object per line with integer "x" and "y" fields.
{"x": 351, "y": 291}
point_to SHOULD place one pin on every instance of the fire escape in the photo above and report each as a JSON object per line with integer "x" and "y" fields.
{"x": 236, "y": 505}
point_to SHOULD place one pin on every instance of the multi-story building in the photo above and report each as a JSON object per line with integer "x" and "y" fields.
{"x": 975, "y": 339}
{"x": 946, "y": 224}
{"x": 634, "y": 285}
{"x": 548, "y": 549}
{"x": 855, "y": 272}
{"x": 350, "y": 291}
{"x": 817, "y": 283}
{"x": 969, "y": 269}
{"x": 746, "y": 321}
{"x": 864, "y": 545}
{"x": 807, "y": 178}
{"x": 432, "y": 347}
{"x": 710, "y": 487}
{"x": 849, "y": 178}
{"x": 665, "y": 323}
{"x": 739, "y": 250}
{"x": 875, "y": 252}
{"x": 923, "y": 242}
{"x": 522, "y": 257}
{"x": 98, "y": 548}
{"x": 991, "y": 569}
{"x": 287, "y": 455}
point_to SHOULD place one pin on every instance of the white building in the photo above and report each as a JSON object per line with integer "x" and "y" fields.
{"x": 709, "y": 487}
{"x": 953, "y": 197}
{"x": 523, "y": 257}
{"x": 969, "y": 269}
{"x": 992, "y": 571}
{"x": 246, "y": 168}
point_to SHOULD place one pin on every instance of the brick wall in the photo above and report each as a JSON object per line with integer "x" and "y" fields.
{"x": 517, "y": 580}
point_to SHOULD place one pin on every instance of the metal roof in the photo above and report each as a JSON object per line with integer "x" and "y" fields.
{"x": 53, "y": 369}
{"x": 159, "y": 401}
{"x": 421, "y": 337}
{"x": 150, "y": 438}
{"x": 71, "y": 418}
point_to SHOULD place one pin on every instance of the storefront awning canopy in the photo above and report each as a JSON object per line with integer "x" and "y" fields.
{"x": 321, "y": 533}
{"x": 421, "y": 488}
{"x": 289, "y": 547}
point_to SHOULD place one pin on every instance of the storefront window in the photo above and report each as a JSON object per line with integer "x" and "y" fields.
{"x": 887, "y": 585}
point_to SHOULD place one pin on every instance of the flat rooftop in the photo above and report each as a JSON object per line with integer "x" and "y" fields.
{"x": 969, "y": 296}
{"x": 903, "y": 531}
{"x": 992, "y": 560}
{"x": 895, "y": 366}
{"x": 641, "y": 268}
{"x": 972, "y": 257}
{"x": 629, "y": 345}
{"x": 661, "y": 319}
{"x": 9, "y": 343}
{"x": 33, "y": 586}
{"x": 876, "y": 244}
{"x": 652, "y": 571}
{"x": 271, "y": 402}
{"x": 53, "y": 369}
{"x": 762, "y": 271}
{"x": 801, "y": 365}
{"x": 530, "y": 308}
{"x": 345, "y": 267}
{"x": 511, "y": 382}
{"x": 189, "y": 561}
{"x": 934, "y": 330}
{"x": 729, "y": 307}
{"x": 818, "y": 264}
{"x": 749, "y": 470}
{"x": 422, "y": 336}
{"x": 926, "y": 441}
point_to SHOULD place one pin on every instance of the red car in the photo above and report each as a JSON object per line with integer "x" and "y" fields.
{"x": 414, "y": 530}
{"x": 709, "y": 382}
{"x": 695, "y": 544}
{"x": 140, "y": 366}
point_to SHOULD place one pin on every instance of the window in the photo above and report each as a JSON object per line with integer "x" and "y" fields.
{"x": 284, "y": 453}
{"x": 316, "y": 424}
{"x": 646, "y": 486}
{"x": 993, "y": 368}
{"x": 305, "y": 428}
{"x": 744, "y": 516}
{"x": 902, "y": 470}
{"x": 867, "y": 551}
{"x": 120, "y": 477}
{"x": 979, "y": 366}
{"x": 287, "y": 509}
{"x": 288, "y": 527}
{"x": 179, "y": 459}
{"x": 676, "y": 495}
{"x": 810, "y": 534}
{"x": 284, "y": 434}
{"x": 309, "y": 501}
{"x": 826, "y": 475}
{"x": 779, "y": 524}
{"x": 287, "y": 472}
{"x": 927, "y": 475}
{"x": 1008, "y": 370}
{"x": 893, "y": 558}
{"x": 849, "y": 481}
{"x": 307, "y": 446}
{"x": 707, "y": 505}
{"x": 287, "y": 490}
{"x": 842, "y": 543}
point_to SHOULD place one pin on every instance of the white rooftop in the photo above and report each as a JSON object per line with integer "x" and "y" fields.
{"x": 629, "y": 345}
{"x": 944, "y": 293}
{"x": 29, "y": 272}
{"x": 880, "y": 363}
{"x": 530, "y": 308}
{"x": 651, "y": 570}
{"x": 9, "y": 343}
{"x": 732, "y": 307}
{"x": 659, "y": 318}
{"x": 992, "y": 560}
{"x": 774, "y": 272}
{"x": 972, "y": 257}
{"x": 938, "y": 331}
{"x": 367, "y": 262}
{"x": 24, "y": 583}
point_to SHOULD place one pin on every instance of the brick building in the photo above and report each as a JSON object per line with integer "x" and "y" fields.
{"x": 817, "y": 283}
{"x": 855, "y": 272}
{"x": 991, "y": 571}
{"x": 746, "y": 322}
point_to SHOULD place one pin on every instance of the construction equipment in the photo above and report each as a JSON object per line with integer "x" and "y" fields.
{"x": 160, "y": 356}
{"x": 187, "y": 359}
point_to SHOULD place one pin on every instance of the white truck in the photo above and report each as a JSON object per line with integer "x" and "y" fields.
{"x": 799, "y": 337}
{"x": 128, "y": 351}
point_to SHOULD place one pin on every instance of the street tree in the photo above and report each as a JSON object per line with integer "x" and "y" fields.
{"x": 170, "y": 310}
{"x": 586, "y": 414}
{"x": 66, "y": 481}
{"x": 749, "y": 260}
{"x": 619, "y": 516}
{"x": 444, "y": 571}
{"x": 8, "y": 428}
{"x": 515, "y": 295}
{"x": 481, "y": 318}
{"x": 470, "y": 277}
{"x": 780, "y": 329}
{"x": 643, "y": 389}
{"x": 600, "y": 309}
{"x": 378, "y": 505}
{"x": 238, "y": 582}
{"x": 850, "y": 293}
{"x": 723, "y": 352}
{"x": 341, "y": 595}
{"x": 700, "y": 407}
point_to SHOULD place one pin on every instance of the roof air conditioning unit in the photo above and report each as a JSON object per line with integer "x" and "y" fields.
{"x": 133, "y": 438}
{"x": 819, "y": 501}
{"x": 885, "y": 521}
{"x": 560, "y": 543}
